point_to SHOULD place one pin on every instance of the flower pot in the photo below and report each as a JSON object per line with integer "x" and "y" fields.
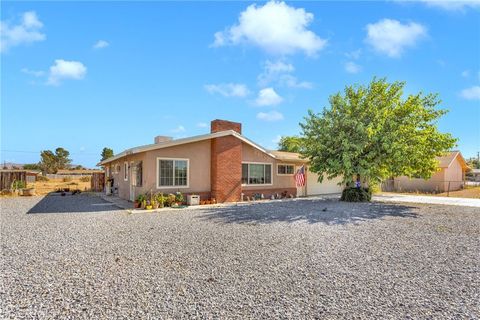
{"x": 214, "y": 201}
{"x": 149, "y": 207}
{"x": 155, "y": 206}
{"x": 136, "y": 204}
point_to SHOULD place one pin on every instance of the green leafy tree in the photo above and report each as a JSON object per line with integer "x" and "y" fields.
{"x": 31, "y": 166}
{"x": 106, "y": 153}
{"x": 51, "y": 162}
{"x": 48, "y": 162}
{"x": 290, "y": 144}
{"x": 62, "y": 158}
{"x": 372, "y": 132}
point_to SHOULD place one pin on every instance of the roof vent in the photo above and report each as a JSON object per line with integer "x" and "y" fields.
{"x": 161, "y": 139}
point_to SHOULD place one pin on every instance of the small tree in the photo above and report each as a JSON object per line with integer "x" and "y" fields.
{"x": 62, "y": 158}
{"x": 51, "y": 162}
{"x": 371, "y": 133}
{"x": 106, "y": 153}
{"x": 290, "y": 144}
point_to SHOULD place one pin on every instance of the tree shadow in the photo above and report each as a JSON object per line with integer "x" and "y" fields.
{"x": 55, "y": 203}
{"x": 326, "y": 211}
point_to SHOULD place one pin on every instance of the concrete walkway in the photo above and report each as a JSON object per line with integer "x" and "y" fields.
{"x": 465, "y": 202}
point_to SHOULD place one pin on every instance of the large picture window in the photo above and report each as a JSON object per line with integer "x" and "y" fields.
{"x": 172, "y": 172}
{"x": 256, "y": 173}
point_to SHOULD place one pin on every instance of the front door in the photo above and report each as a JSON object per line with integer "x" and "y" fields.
{"x": 133, "y": 180}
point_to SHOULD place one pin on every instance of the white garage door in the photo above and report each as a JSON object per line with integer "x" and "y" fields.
{"x": 325, "y": 187}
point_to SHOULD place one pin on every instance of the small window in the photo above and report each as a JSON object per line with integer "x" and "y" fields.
{"x": 256, "y": 173}
{"x": 172, "y": 172}
{"x": 125, "y": 171}
{"x": 138, "y": 174}
{"x": 285, "y": 169}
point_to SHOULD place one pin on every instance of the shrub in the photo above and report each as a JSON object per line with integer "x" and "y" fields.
{"x": 66, "y": 179}
{"x": 85, "y": 179}
{"x": 178, "y": 196}
{"x": 18, "y": 184}
{"x": 356, "y": 195}
{"x": 170, "y": 200}
{"x": 42, "y": 178}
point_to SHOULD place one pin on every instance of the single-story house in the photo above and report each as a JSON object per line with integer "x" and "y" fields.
{"x": 222, "y": 164}
{"x": 449, "y": 177}
{"x": 474, "y": 175}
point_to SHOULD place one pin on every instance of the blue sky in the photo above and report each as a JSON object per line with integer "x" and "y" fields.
{"x": 93, "y": 74}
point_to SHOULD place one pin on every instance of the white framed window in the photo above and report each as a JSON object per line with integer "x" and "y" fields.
{"x": 173, "y": 173}
{"x": 285, "y": 169}
{"x": 117, "y": 168}
{"x": 256, "y": 173}
{"x": 125, "y": 171}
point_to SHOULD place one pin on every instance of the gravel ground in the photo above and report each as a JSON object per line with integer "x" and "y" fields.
{"x": 79, "y": 257}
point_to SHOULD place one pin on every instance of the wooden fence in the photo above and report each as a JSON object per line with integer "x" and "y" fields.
{"x": 8, "y": 177}
{"x": 98, "y": 182}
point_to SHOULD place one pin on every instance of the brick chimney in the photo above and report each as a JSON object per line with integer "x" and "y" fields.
{"x": 223, "y": 125}
{"x": 226, "y": 163}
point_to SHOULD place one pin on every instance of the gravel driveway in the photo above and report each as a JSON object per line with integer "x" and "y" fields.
{"x": 79, "y": 257}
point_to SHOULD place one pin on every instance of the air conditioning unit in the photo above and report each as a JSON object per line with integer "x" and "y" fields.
{"x": 193, "y": 199}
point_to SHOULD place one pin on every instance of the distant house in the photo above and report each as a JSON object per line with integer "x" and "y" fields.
{"x": 449, "y": 177}
{"x": 474, "y": 175}
{"x": 222, "y": 164}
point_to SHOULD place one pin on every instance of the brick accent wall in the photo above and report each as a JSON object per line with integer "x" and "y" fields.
{"x": 223, "y": 125}
{"x": 226, "y": 170}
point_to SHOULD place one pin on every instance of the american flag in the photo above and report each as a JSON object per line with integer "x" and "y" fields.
{"x": 300, "y": 177}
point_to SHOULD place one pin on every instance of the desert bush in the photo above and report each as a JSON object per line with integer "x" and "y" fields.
{"x": 66, "y": 179}
{"x": 85, "y": 179}
{"x": 356, "y": 195}
{"x": 18, "y": 184}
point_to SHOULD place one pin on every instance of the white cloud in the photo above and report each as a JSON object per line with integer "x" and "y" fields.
{"x": 472, "y": 93}
{"x": 228, "y": 89}
{"x": 352, "y": 67}
{"x": 275, "y": 27}
{"x": 100, "y": 44}
{"x": 63, "y": 70}
{"x": 202, "y": 125}
{"x": 466, "y": 73}
{"x": 270, "y": 116}
{"x": 452, "y": 5}
{"x": 279, "y": 72}
{"x": 268, "y": 97}
{"x": 179, "y": 129}
{"x": 35, "y": 73}
{"x": 28, "y": 31}
{"x": 392, "y": 37}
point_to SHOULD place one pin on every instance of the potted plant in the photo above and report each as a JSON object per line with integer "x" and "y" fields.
{"x": 178, "y": 198}
{"x": 139, "y": 201}
{"x": 171, "y": 200}
{"x": 148, "y": 205}
{"x": 160, "y": 199}
{"x": 155, "y": 204}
